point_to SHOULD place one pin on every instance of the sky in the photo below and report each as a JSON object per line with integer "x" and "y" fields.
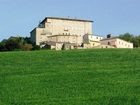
{"x": 19, "y": 17}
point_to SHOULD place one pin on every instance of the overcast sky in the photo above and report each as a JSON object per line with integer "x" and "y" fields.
{"x": 19, "y": 17}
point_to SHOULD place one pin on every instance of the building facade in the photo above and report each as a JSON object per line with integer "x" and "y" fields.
{"x": 91, "y": 41}
{"x": 116, "y": 43}
{"x": 61, "y": 30}
{"x": 57, "y": 33}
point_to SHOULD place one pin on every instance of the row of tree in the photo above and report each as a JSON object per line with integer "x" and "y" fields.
{"x": 25, "y": 44}
{"x": 17, "y": 44}
{"x": 131, "y": 38}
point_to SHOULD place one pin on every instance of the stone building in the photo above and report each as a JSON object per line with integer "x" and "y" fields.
{"x": 115, "y": 42}
{"x": 66, "y": 33}
{"x": 61, "y": 30}
{"x": 91, "y": 41}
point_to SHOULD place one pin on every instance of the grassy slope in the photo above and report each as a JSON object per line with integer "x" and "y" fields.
{"x": 78, "y": 77}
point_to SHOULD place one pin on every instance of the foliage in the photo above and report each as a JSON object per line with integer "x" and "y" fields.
{"x": 36, "y": 47}
{"x": 26, "y": 47}
{"x": 13, "y": 44}
{"x": 63, "y": 47}
{"x": 2, "y": 46}
{"x": 126, "y": 36}
{"x": 17, "y": 43}
{"x": 74, "y": 77}
{"x": 131, "y": 38}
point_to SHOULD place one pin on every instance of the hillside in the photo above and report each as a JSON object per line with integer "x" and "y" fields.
{"x": 76, "y": 77}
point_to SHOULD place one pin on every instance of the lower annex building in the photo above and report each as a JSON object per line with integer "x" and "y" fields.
{"x": 58, "y": 33}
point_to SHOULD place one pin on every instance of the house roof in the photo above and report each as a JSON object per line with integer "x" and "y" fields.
{"x": 59, "y": 18}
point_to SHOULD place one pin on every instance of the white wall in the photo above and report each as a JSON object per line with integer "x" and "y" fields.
{"x": 116, "y": 42}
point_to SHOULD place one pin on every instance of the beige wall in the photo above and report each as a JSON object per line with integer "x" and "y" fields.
{"x": 89, "y": 38}
{"x": 91, "y": 44}
{"x": 116, "y": 42}
{"x": 65, "y": 38}
{"x": 60, "y": 27}
{"x": 38, "y": 35}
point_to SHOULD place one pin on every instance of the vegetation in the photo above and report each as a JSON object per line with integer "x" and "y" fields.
{"x": 75, "y": 77}
{"x": 131, "y": 38}
{"x": 25, "y": 44}
{"x": 17, "y": 43}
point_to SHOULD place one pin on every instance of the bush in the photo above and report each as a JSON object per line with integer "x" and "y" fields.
{"x": 12, "y": 44}
{"x": 27, "y": 47}
{"x": 36, "y": 47}
{"x": 2, "y": 46}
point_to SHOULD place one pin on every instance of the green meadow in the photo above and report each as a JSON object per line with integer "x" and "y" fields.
{"x": 74, "y": 77}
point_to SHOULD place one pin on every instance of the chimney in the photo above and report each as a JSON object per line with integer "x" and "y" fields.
{"x": 109, "y": 36}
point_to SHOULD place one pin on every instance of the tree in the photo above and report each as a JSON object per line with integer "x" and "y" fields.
{"x": 2, "y": 46}
{"x": 131, "y": 38}
{"x": 126, "y": 36}
{"x": 12, "y": 44}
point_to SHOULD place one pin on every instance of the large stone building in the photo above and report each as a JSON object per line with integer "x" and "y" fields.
{"x": 58, "y": 31}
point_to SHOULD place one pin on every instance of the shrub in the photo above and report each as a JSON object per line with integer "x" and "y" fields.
{"x": 36, "y": 47}
{"x": 27, "y": 47}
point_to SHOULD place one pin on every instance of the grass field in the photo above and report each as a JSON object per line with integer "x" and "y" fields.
{"x": 76, "y": 77}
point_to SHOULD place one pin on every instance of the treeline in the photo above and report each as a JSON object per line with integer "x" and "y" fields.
{"x": 18, "y": 44}
{"x": 25, "y": 44}
{"x": 131, "y": 38}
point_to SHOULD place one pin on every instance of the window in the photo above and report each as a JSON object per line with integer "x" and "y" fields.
{"x": 108, "y": 43}
{"x": 43, "y": 32}
{"x": 66, "y": 29}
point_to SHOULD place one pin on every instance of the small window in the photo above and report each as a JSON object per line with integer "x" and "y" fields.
{"x": 108, "y": 43}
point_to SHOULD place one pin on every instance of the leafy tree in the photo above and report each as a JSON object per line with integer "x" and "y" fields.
{"x": 2, "y": 46}
{"x": 12, "y": 44}
{"x": 131, "y": 38}
{"x": 126, "y": 36}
